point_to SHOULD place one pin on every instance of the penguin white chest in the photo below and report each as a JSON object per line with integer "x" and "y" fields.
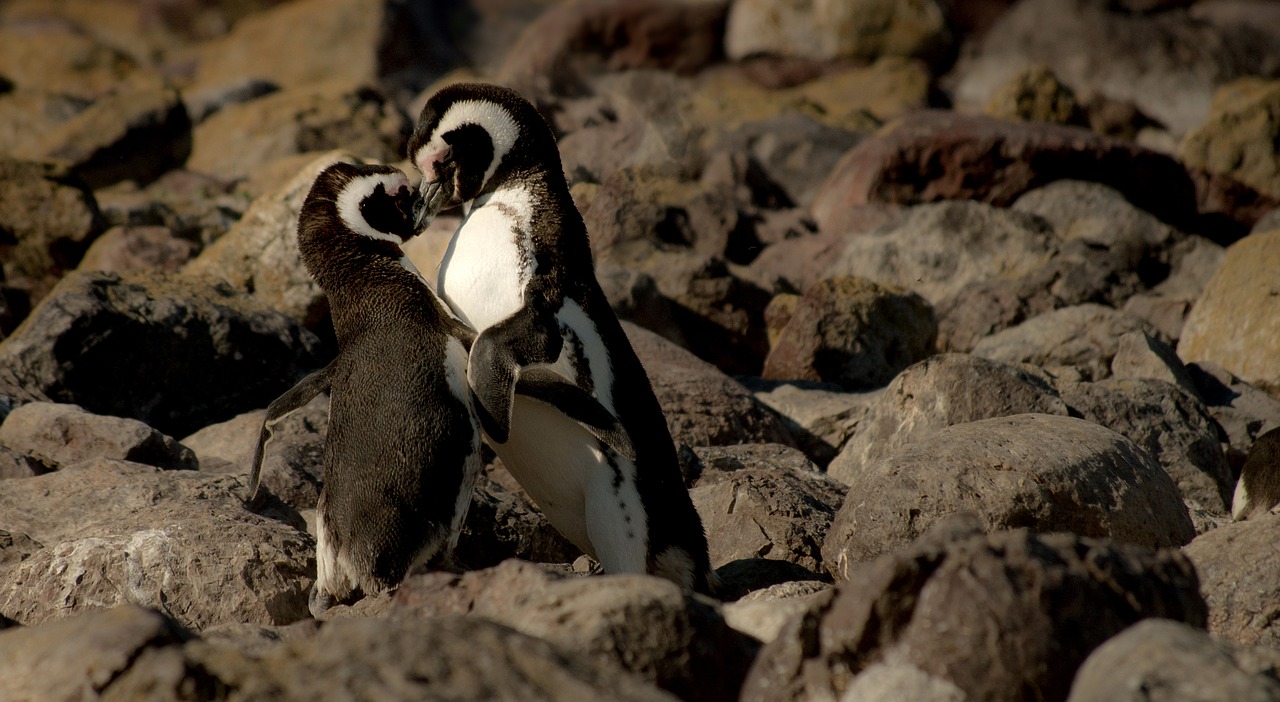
{"x": 489, "y": 260}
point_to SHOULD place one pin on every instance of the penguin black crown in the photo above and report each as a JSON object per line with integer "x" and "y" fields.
{"x": 519, "y": 271}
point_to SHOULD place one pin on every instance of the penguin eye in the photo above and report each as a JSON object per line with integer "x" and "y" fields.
{"x": 384, "y": 213}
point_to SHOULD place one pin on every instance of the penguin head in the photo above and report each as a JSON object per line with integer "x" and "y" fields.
{"x": 371, "y": 201}
{"x": 472, "y": 137}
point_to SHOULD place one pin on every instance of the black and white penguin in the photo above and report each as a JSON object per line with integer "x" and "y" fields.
{"x": 519, "y": 271}
{"x": 1258, "y": 489}
{"x": 402, "y": 450}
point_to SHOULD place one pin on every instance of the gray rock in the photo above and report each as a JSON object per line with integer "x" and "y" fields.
{"x": 1005, "y": 616}
{"x": 1100, "y": 215}
{"x": 1084, "y": 337}
{"x": 763, "y": 613}
{"x": 16, "y": 547}
{"x": 1043, "y": 472}
{"x": 861, "y": 30}
{"x": 1162, "y": 661}
{"x": 16, "y": 464}
{"x": 121, "y": 346}
{"x": 1141, "y": 355}
{"x": 1166, "y": 422}
{"x": 62, "y": 435}
{"x": 794, "y": 150}
{"x": 935, "y": 249}
{"x": 718, "y": 462}
{"x": 821, "y": 418}
{"x": 703, "y": 406}
{"x": 80, "y": 658}
{"x": 194, "y": 206}
{"x": 1238, "y": 578}
{"x": 852, "y": 332}
{"x": 124, "y": 248}
{"x": 939, "y": 392}
{"x": 179, "y": 541}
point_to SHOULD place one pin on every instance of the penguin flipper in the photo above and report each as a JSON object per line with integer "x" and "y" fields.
{"x": 498, "y": 357}
{"x": 293, "y": 398}
{"x": 579, "y": 405}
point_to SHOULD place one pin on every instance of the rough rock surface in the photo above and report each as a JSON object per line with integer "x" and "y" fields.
{"x": 1239, "y": 579}
{"x": 63, "y": 435}
{"x": 1037, "y": 471}
{"x": 1083, "y": 338}
{"x": 981, "y": 590}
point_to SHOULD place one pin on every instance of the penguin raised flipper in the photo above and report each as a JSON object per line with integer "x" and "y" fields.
{"x": 552, "y": 388}
{"x": 497, "y": 356}
{"x": 292, "y": 399}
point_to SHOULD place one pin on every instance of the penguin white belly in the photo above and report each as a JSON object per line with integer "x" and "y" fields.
{"x": 486, "y": 267}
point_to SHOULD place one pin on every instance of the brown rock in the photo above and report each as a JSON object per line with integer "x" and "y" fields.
{"x": 1238, "y": 579}
{"x": 1000, "y": 617}
{"x": 60, "y": 57}
{"x": 821, "y": 419}
{"x": 63, "y": 435}
{"x": 852, "y": 332}
{"x": 940, "y": 392}
{"x": 1084, "y": 337}
{"x": 1239, "y": 138}
{"x": 1043, "y": 472}
{"x": 51, "y": 217}
{"x": 126, "y": 249}
{"x": 1141, "y": 355}
{"x": 1036, "y": 95}
{"x": 934, "y": 155}
{"x": 865, "y": 29}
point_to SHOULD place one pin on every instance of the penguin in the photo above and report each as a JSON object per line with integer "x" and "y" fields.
{"x": 519, "y": 271}
{"x": 402, "y": 451}
{"x": 1258, "y": 489}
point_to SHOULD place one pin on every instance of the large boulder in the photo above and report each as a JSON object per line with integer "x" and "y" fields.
{"x": 1082, "y": 339}
{"x": 173, "y": 351}
{"x": 1037, "y": 471}
{"x": 50, "y": 217}
{"x": 1241, "y": 579}
{"x": 1239, "y": 137}
{"x": 1006, "y": 616}
{"x": 860, "y": 29}
{"x": 63, "y": 435}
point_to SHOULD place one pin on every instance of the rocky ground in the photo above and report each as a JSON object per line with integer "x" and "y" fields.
{"x": 962, "y": 312}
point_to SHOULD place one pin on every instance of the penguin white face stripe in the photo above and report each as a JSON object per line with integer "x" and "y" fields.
{"x": 355, "y": 193}
{"x": 493, "y": 118}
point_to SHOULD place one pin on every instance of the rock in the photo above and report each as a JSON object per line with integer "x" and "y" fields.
{"x": 227, "y": 447}
{"x": 1084, "y": 337}
{"x": 120, "y": 346}
{"x": 502, "y": 523}
{"x": 1242, "y": 410}
{"x": 762, "y": 614}
{"x": 820, "y": 418}
{"x": 1158, "y": 659}
{"x": 16, "y": 464}
{"x": 194, "y": 206}
{"x": 1038, "y": 471}
{"x": 59, "y": 57}
{"x": 935, "y": 249}
{"x": 794, "y": 150}
{"x": 852, "y": 332}
{"x": 1100, "y": 215}
{"x": 1239, "y": 137}
{"x": 940, "y": 392}
{"x": 126, "y": 249}
{"x": 767, "y": 511}
{"x": 118, "y": 532}
{"x": 260, "y": 253}
{"x": 1170, "y": 424}
{"x": 1167, "y": 64}
{"x": 136, "y": 131}
{"x": 703, "y": 406}
{"x": 1036, "y": 95}
{"x": 1238, "y": 579}
{"x": 718, "y": 462}
{"x": 83, "y": 656}
{"x": 1234, "y": 323}
{"x": 1001, "y": 617}
{"x": 388, "y": 43}
{"x": 866, "y": 29}
{"x": 241, "y": 139}
{"x": 791, "y": 260}
{"x": 63, "y": 435}
{"x": 635, "y": 297}
{"x": 26, "y": 115}
{"x": 205, "y": 101}
{"x": 932, "y": 155}
{"x": 1141, "y": 355}
{"x": 556, "y": 51}
{"x": 52, "y": 216}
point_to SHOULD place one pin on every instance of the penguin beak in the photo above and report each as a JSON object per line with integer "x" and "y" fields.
{"x": 428, "y": 203}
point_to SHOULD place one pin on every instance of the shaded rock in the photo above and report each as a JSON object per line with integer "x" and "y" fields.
{"x": 1168, "y": 423}
{"x": 1020, "y": 611}
{"x": 388, "y": 43}
{"x": 194, "y": 206}
{"x": 820, "y": 418}
{"x": 762, "y": 614}
{"x": 126, "y": 249}
{"x": 635, "y": 297}
{"x": 49, "y": 216}
{"x": 60, "y": 57}
{"x": 260, "y": 253}
{"x": 719, "y": 462}
{"x": 567, "y": 41}
{"x": 1235, "y": 322}
{"x": 1158, "y": 659}
{"x": 62, "y": 435}
{"x": 936, "y": 249}
{"x": 502, "y": 523}
{"x": 1242, "y": 410}
{"x": 1084, "y": 337}
{"x": 1141, "y": 355}
{"x": 120, "y": 346}
{"x": 227, "y": 447}
{"x": 1036, "y": 95}
{"x": 703, "y": 406}
{"x": 89, "y": 652}
{"x": 26, "y": 115}
{"x": 865, "y": 29}
{"x": 1167, "y": 64}
{"x": 934, "y": 155}
{"x": 740, "y": 578}
{"x": 136, "y": 131}
{"x": 1239, "y": 137}
{"x": 852, "y": 332}
{"x": 794, "y": 150}
{"x": 1239, "y": 579}
{"x": 204, "y": 102}
{"x": 16, "y": 547}
{"x": 1042, "y": 472}
{"x": 940, "y": 392}
{"x": 242, "y": 138}
{"x": 16, "y": 464}
{"x": 179, "y": 541}
{"x": 767, "y": 511}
